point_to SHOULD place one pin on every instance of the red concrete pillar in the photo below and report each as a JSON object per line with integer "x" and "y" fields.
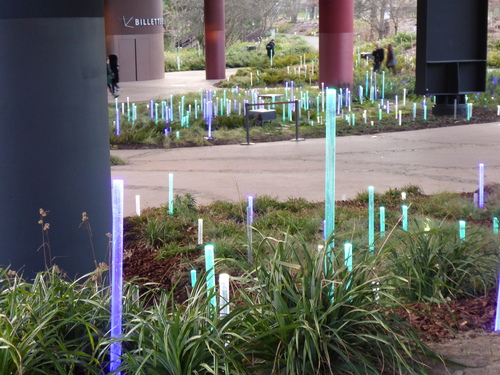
{"x": 215, "y": 39}
{"x": 336, "y": 38}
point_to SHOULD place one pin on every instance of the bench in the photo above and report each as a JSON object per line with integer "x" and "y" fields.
{"x": 262, "y": 114}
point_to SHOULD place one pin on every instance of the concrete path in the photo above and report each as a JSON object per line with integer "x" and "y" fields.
{"x": 437, "y": 160}
{"x": 174, "y": 83}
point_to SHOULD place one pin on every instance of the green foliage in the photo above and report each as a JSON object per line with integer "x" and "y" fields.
{"x": 188, "y": 339}
{"x": 316, "y": 322}
{"x": 116, "y": 160}
{"x": 51, "y": 326}
{"x": 297, "y": 309}
{"x": 435, "y": 264}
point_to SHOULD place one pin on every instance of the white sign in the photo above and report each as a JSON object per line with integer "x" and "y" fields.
{"x": 132, "y": 22}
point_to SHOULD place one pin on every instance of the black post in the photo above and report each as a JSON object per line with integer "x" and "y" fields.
{"x": 247, "y": 124}
{"x": 54, "y": 141}
{"x": 297, "y": 109}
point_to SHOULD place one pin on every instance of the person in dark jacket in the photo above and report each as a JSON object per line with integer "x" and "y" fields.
{"x": 109, "y": 78}
{"x": 378, "y": 57}
{"x": 270, "y": 48}
{"x": 391, "y": 59}
{"x": 115, "y": 68}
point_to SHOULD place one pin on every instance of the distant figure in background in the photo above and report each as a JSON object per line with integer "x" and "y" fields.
{"x": 270, "y": 49}
{"x": 391, "y": 59}
{"x": 109, "y": 78}
{"x": 113, "y": 63}
{"x": 378, "y": 57}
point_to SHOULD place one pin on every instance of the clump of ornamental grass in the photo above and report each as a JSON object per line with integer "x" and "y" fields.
{"x": 51, "y": 325}
{"x": 191, "y": 338}
{"x": 436, "y": 265}
{"x": 313, "y": 314}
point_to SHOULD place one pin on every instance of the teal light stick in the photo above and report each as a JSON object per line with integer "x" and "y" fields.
{"x": 156, "y": 113}
{"x": 425, "y": 112}
{"x": 171, "y": 193}
{"x": 495, "y": 225}
{"x": 371, "y": 218}
{"x": 414, "y": 111}
{"x": 348, "y": 256}
{"x": 405, "y": 217}
{"x": 353, "y": 119}
{"x": 284, "y": 113}
{"x": 225, "y": 102}
{"x": 331, "y": 100}
{"x": 195, "y": 109}
{"x": 382, "y": 221}
{"x": 193, "y": 278}
{"x": 380, "y": 114}
{"x": 209, "y": 266}
{"x": 317, "y": 104}
{"x": 461, "y": 226}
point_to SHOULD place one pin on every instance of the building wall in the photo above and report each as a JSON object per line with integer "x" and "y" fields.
{"x": 134, "y": 32}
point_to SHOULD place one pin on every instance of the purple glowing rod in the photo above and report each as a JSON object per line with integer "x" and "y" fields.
{"x": 117, "y": 277}
{"x": 481, "y": 185}
{"x": 117, "y": 122}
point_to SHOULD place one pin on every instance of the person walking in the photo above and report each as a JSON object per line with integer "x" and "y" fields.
{"x": 378, "y": 57}
{"x": 115, "y": 68}
{"x": 109, "y": 78}
{"x": 270, "y": 49}
{"x": 391, "y": 59}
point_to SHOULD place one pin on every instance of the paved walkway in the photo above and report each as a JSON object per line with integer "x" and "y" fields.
{"x": 437, "y": 160}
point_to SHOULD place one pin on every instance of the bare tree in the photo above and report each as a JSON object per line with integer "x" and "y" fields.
{"x": 399, "y": 9}
{"x": 184, "y": 18}
{"x": 378, "y": 14}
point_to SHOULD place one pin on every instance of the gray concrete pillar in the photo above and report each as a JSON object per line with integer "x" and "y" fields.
{"x": 54, "y": 140}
